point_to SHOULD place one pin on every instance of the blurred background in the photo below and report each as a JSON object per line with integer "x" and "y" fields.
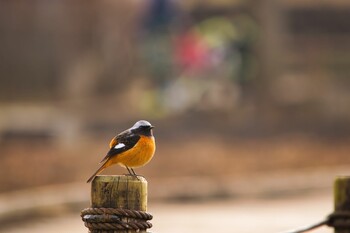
{"x": 250, "y": 99}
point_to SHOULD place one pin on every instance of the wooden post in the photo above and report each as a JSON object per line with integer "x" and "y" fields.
{"x": 342, "y": 197}
{"x": 125, "y": 192}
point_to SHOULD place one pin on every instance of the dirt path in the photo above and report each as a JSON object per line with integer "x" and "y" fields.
{"x": 240, "y": 216}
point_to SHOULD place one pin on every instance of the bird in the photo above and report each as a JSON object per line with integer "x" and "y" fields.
{"x": 131, "y": 148}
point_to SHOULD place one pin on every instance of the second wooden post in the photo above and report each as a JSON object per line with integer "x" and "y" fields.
{"x": 342, "y": 201}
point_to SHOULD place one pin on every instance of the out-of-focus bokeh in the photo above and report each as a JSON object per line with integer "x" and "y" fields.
{"x": 250, "y": 99}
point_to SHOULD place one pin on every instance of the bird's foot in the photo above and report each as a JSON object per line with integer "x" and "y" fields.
{"x": 134, "y": 175}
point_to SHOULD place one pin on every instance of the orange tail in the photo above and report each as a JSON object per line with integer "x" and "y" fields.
{"x": 103, "y": 166}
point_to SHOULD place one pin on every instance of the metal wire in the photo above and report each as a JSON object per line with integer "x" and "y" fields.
{"x": 339, "y": 219}
{"x": 309, "y": 227}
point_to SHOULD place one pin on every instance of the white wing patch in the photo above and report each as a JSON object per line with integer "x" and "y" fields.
{"x": 119, "y": 146}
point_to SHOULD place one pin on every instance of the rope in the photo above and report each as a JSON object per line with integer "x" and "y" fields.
{"x": 337, "y": 220}
{"x": 114, "y": 219}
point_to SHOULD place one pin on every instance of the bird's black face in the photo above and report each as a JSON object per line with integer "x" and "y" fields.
{"x": 144, "y": 130}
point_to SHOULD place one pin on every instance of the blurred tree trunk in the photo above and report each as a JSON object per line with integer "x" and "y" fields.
{"x": 269, "y": 48}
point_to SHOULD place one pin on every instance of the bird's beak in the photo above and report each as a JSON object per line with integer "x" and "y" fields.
{"x": 151, "y": 127}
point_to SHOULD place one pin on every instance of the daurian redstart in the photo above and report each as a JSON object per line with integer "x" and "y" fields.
{"x": 131, "y": 148}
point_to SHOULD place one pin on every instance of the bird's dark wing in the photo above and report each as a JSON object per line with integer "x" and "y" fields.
{"x": 113, "y": 142}
{"x": 121, "y": 143}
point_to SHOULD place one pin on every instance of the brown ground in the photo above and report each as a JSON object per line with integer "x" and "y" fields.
{"x": 26, "y": 164}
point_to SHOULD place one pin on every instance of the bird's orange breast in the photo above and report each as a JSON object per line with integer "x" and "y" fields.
{"x": 138, "y": 155}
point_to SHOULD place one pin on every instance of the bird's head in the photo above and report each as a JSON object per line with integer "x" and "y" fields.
{"x": 142, "y": 127}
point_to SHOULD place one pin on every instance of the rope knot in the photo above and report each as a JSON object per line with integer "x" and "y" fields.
{"x": 339, "y": 220}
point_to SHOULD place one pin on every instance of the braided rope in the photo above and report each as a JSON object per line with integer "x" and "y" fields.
{"x": 118, "y": 226}
{"x": 112, "y": 219}
{"x": 119, "y": 212}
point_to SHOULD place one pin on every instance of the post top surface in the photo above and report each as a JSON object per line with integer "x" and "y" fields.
{"x": 119, "y": 178}
{"x": 343, "y": 178}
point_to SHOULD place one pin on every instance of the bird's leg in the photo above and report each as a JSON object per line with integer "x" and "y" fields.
{"x": 130, "y": 173}
{"x": 134, "y": 174}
